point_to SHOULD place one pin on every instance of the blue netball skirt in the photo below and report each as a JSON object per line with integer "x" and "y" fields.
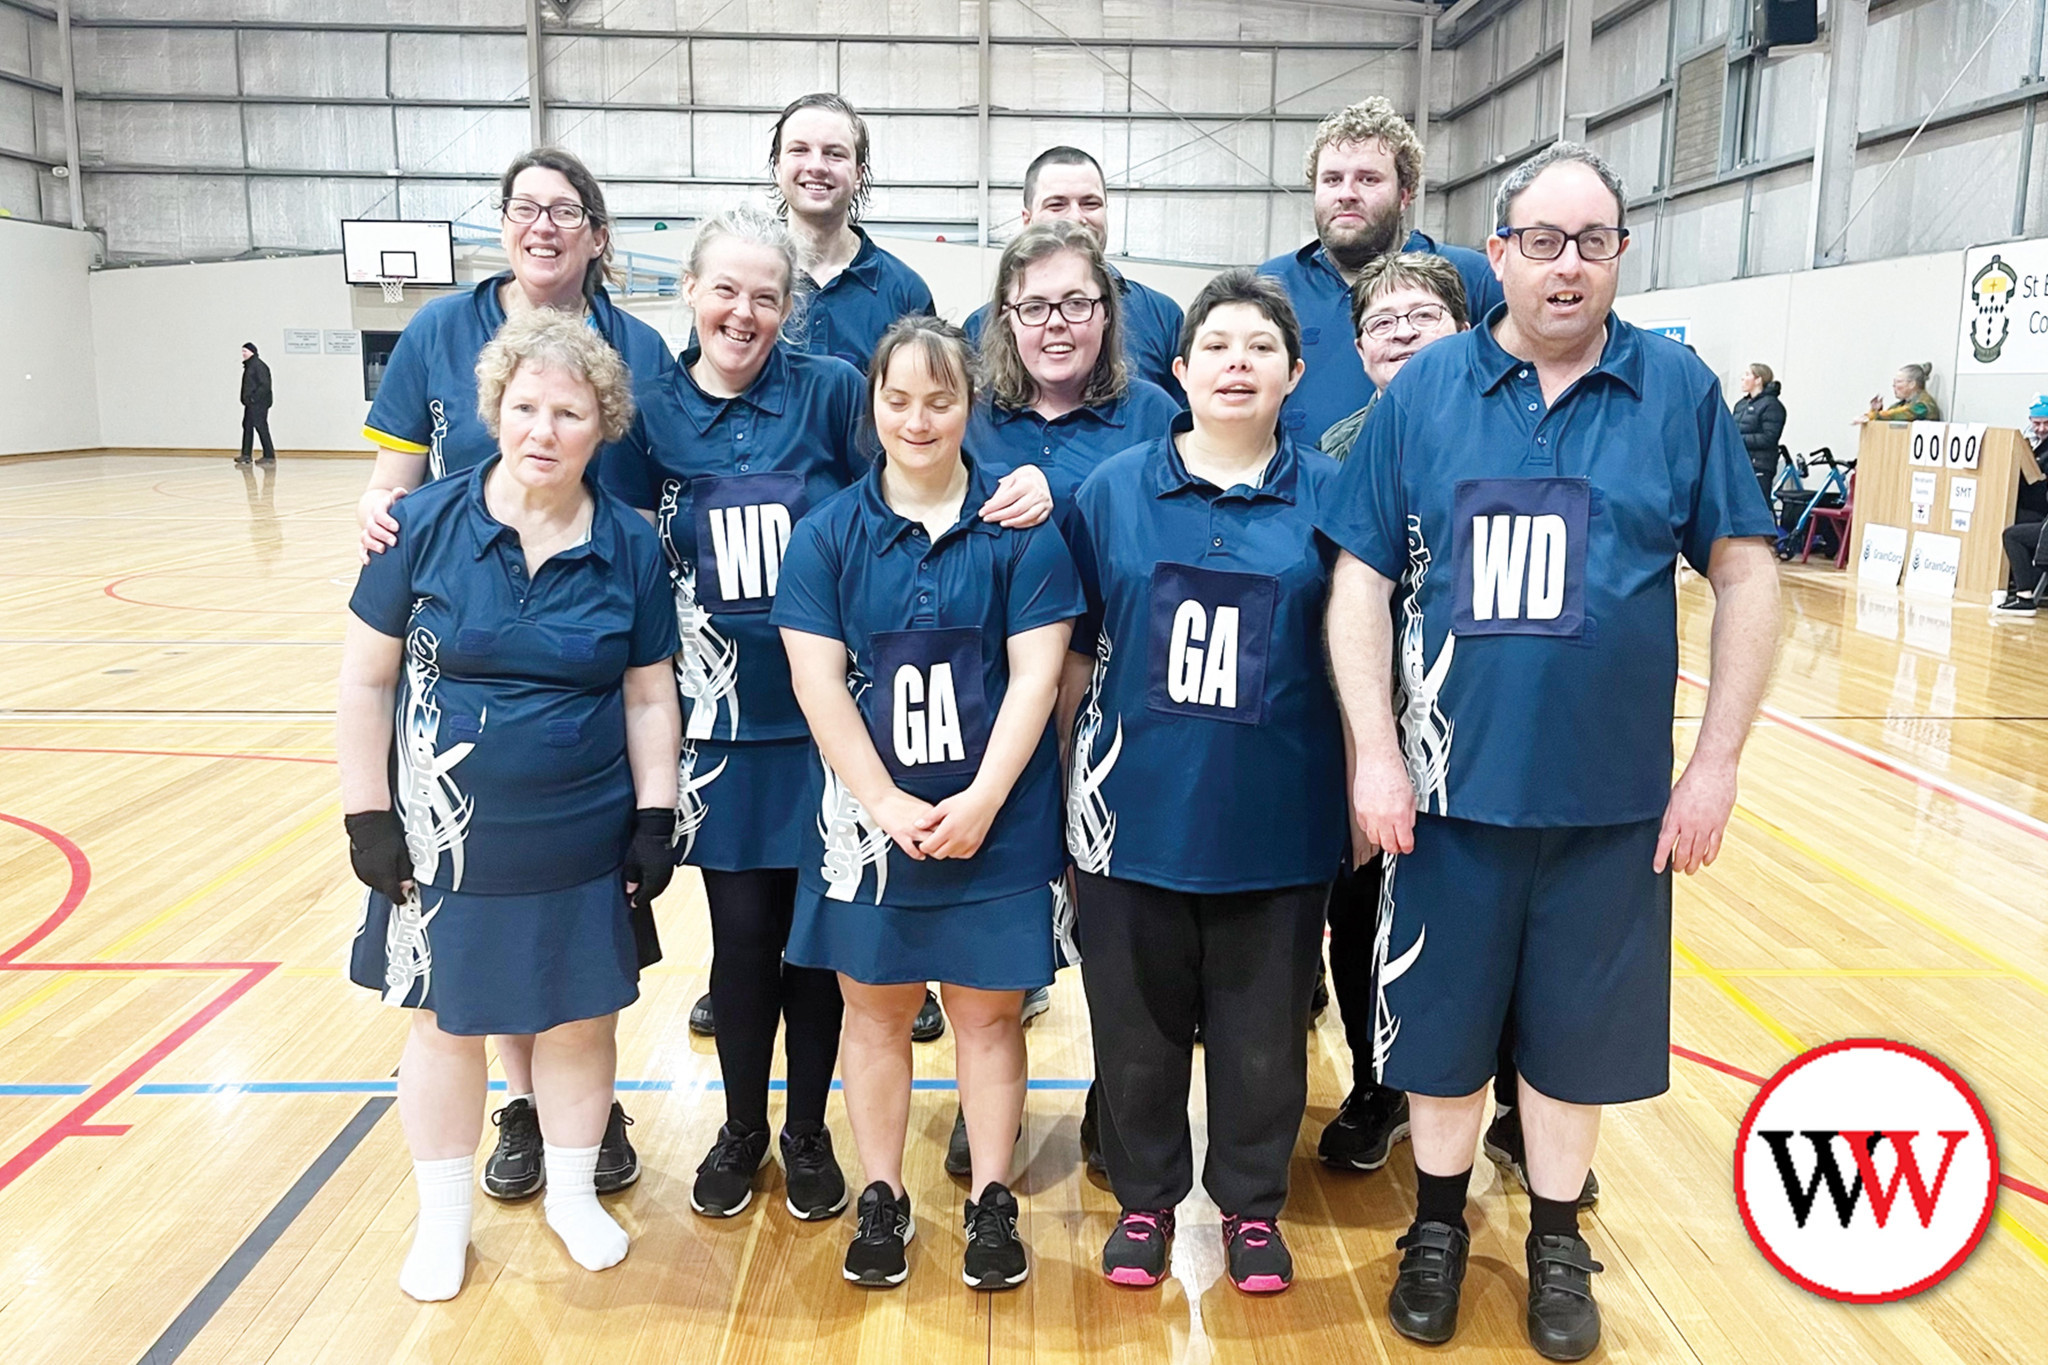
{"x": 1004, "y": 944}
{"x": 744, "y": 806}
{"x": 502, "y": 964}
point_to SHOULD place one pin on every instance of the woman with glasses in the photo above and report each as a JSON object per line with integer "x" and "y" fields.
{"x": 1399, "y": 305}
{"x": 425, "y": 424}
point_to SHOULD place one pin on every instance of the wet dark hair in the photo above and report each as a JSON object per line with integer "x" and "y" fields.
{"x": 823, "y": 99}
{"x": 571, "y": 169}
{"x": 1242, "y": 284}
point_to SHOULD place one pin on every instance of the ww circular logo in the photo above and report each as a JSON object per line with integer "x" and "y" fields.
{"x": 1866, "y": 1170}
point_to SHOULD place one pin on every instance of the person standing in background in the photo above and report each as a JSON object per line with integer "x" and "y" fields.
{"x": 2023, "y": 539}
{"x": 1364, "y": 168}
{"x": 1760, "y": 417}
{"x": 255, "y": 405}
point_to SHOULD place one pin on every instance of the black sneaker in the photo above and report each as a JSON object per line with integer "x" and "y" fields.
{"x": 1363, "y": 1134}
{"x": 1423, "y": 1305}
{"x": 2015, "y": 604}
{"x": 1091, "y": 1134}
{"x": 879, "y": 1256}
{"x": 618, "y": 1165}
{"x": 515, "y": 1170}
{"x": 815, "y": 1187}
{"x": 725, "y": 1179}
{"x": 1563, "y": 1321}
{"x": 995, "y": 1256}
{"x": 703, "y": 1022}
{"x": 1503, "y": 1144}
{"x": 1256, "y": 1255}
{"x": 1320, "y": 999}
{"x": 930, "y": 1024}
{"x": 1138, "y": 1248}
{"x": 959, "y": 1158}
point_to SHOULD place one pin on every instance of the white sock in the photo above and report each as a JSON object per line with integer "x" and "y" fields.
{"x": 435, "y": 1266}
{"x": 528, "y": 1097}
{"x": 595, "y": 1242}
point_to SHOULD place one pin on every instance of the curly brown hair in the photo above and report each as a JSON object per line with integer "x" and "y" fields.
{"x": 1370, "y": 120}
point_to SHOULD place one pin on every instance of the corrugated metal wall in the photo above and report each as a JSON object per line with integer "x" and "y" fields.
{"x": 217, "y": 127}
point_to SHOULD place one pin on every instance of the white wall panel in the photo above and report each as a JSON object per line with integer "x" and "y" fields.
{"x": 1637, "y": 261}
{"x": 1701, "y": 238}
{"x": 760, "y": 72}
{"x": 1014, "y": 142}
{"x": 1057, "y": 78}
{"x": 1209, "y": 227}
{"x": 17, "y": 118}
{"x": 51, "y": 138}
{"x": 1633, "y": 146}
{"x": 447, "y": 66}
{"x": 319, "y": 137}
{"x": 636, "y": 70}
{"x": 1291, "y": 142}
{"x": 1779, "y": 208}
{"x": 1953, "y": 189}
{"x": 154, "y": 61}
{"x": 338, "y": 11}
{"x": 1788, "y": 104}
{"x": 909, "y": 147}
{"x": 1323, "y": 82}
{"x": 19, "y": 193}
{"x": 48, "y": 387}
{"x": 1462, "y": 145}
{"x": 147, "y": 133}
{"x": 1913, "y": 51}
{"x": 1210, "y": 80}
{"x": 624, "y": 142}
{"x": 470, "y": 201}
{"x": 169, "y": 216}
{"x": 905, "y": 76}
{"x": 1629, "y": 58}
{"x": 14, "y": 48}
{"x": 349, "y": 65}
{"x": 480, "y": 141}
{"x": 734, "y": 145}
{"x": 1174, "y": 153}
{"x": 304, "y": 214}
{"x": 1472, "y": 63}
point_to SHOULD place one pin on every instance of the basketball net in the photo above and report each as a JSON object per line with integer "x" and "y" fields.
{"x": 394, "y": 290}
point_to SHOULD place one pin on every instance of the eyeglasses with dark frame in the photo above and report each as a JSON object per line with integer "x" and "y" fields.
{"x": 524, "y": 211}
{"x": 1075, "y": 309}
{"x": 1548, "y": 243}
{"x": 1420, "y": 318}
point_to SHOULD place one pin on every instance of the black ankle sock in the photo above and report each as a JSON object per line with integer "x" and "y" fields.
{"x": 1441, "y": 1198}
{"x": 1553, "y": 1217}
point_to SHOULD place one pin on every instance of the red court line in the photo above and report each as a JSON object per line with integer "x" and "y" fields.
{"x": 181, "y": 606}
{"x": 2013, "y": 1183}
{"x": 76, "y": 1121}
{"x": 1955, "y": 791}
{"x": 155, "y": 753}
{"x": 81, "y": 878}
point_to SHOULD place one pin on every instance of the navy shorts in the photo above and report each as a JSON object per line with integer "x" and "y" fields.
{"x": 1569, "y": 928}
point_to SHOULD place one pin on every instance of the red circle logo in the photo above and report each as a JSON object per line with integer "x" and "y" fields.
{"x": 1866, "y": 1170}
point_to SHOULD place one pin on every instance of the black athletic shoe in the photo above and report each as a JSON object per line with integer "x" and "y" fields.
{"x": 1256, "y": 1256}
{"x": 725, "y": 1179}
{"x": 1091, "y": 1135}
{"x": 1363, "y": 1134}
{"x": 618, "y": 1165}
{"x": 1563, "y": 1322}
{"x": 243, "y": 459}
{"x": 879, "y": 1256}
{"x": 1139, "y": 1247}
{"x": 1320, "y": 1000}
{"x": 268, "y": 459}
{"x": 2015, "y": 604}
{"x": 959, "y": 1159}
{"x": 930, "y": 1024}
{"x": 703, "y": 1022}
{"x": 1504, "y": 1148}
{"x": 995, "y": 1256}
{"x": 515, "y": 1170}
{"x": 1424, "y": 1303}
{"x": 815, "y": 1186}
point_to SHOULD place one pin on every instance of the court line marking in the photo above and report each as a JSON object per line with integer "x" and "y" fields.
{"x": 155, "y": 753}
{"x": 1955, "y": 791}
{"x": 178, "y": 644}
{"x": 225, "y": 1281}
{"x": 324, "y": 816}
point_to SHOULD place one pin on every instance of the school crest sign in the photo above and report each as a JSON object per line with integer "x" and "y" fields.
{"x": 2004, "y": 307}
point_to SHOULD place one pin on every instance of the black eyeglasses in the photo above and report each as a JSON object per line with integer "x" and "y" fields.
{"x": 1547, "y": 244}
{"x": 1038, "y": 312}
{"x": 1422, "y": 317}
{"x": 523, "y": 211}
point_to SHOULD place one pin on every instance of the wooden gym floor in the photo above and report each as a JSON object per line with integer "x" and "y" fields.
{"x": 199, "y": 1162}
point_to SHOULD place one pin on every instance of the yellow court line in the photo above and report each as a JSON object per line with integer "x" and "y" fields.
{"x": 325, "y": 816}
{"x": 1742, "y": 1002}
{"x": 2024, "y": 1235}
{"x": 37, "y": 997}
{"x": 1858, "y": 973}
{"x": 1912, "y": 912}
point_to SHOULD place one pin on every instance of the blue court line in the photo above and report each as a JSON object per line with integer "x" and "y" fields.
{"x": 43, "y": 1089}
{"x": 390, "y": 1087}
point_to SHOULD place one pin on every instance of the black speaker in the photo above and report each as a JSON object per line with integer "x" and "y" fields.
{"x": 1783, "y": 23}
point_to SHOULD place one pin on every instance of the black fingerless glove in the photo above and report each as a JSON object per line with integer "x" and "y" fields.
{"x": 377, "y": 852}
{"x": 649, "y": 862}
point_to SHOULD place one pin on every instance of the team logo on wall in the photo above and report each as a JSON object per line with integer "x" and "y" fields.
{"x": 1991, "y": 289}
{"x": 1866, "y": 1171}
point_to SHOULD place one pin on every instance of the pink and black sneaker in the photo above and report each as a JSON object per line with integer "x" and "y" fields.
{"x": 1256, "y": 1255}
{"x": 1136, "y": 1252}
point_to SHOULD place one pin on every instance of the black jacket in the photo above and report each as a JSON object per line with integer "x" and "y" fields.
{"x": 1761, "y": 420}
{"x": 255, "y": 383}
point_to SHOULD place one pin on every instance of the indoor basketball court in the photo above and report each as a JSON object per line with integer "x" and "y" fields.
{"x": 202, "y": 1157}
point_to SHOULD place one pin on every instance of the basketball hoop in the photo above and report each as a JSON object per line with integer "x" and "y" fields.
{"x": 394, "y": 288}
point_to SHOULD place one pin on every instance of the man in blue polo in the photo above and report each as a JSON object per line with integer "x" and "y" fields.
{"x": 818, "y": 155}
{"x": 1364, "y": 167}
{"x": 1066, "y": 182}
{"x": 1510, "y": 520}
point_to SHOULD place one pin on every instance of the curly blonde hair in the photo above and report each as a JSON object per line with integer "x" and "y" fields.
{"x": 547, "y": 340}
{"x": 1370, "y": 120}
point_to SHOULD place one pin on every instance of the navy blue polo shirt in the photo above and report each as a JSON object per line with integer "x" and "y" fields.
{"x": 1208, "y": 756}
{"x": 426, "y": 403}
{"x": 928, "y": 624}
{"x": 1152, "y": 324}
{"x": 1069, "y": 447}
{"x": 728, "y": 479}
{"x": 509, "y": 761}
{"x": 848, "y": 314}
{"x": 1533, "y": 550}
{"x": 1333, "y": 386}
